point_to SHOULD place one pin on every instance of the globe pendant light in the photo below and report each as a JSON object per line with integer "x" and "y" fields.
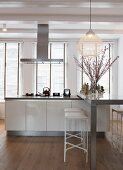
{"x": 89, "y": 44}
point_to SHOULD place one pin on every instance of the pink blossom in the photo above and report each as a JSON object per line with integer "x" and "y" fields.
{"x": 95, "y": 68}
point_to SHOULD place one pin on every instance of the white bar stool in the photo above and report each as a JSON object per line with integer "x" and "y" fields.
{"x": 76, "y": 126}
{"x": 117, "y": 128}
{"x": 73, "y": 110}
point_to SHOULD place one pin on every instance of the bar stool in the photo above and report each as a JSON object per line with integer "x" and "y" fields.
{"x": 117, "y": 128}
{"x": 76, "y": 126}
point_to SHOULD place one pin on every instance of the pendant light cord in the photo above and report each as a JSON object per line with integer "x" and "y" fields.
{"x": 90, "y": 14}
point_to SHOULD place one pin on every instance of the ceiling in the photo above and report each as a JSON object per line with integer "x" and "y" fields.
{"x": 67, "y": 19}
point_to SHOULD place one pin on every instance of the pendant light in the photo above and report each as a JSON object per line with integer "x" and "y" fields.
{"x": 4, "y": 29}
{"x": 89, "y": 43}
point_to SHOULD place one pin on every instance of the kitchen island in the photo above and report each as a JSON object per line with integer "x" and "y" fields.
{"x": 44, "y": 116}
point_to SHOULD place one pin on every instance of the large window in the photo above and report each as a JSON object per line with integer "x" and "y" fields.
{"x": 46, "y": 75}
{"x": 52, "y": 75}
{"x": 105, "y": 81}
{"x": 9, "y": 69}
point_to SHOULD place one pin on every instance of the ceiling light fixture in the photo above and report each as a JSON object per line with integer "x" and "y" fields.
{"x": 88, "y": 43}
{"x": 4, "y": 28}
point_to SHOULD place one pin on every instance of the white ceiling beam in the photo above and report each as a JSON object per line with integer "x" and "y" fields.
{"x": 70, "y": 18}
{"x": 55, "y": 1}
{"x": 64, "y": 31}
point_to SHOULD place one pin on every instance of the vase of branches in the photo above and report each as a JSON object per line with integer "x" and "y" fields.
{"x": 95, "y": 67}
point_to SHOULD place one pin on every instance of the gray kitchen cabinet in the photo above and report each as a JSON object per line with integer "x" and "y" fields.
{"x": 55, "y": 114}
{"x": 36, "y": 115}
{"x": 15, "y": 115}
{"x": 48, "y": 115}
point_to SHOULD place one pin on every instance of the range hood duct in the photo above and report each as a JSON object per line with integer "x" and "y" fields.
{"x": 42, "y": 48}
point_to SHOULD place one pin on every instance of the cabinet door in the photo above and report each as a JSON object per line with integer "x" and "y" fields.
{"x": 55, "y": 114}
{"x": 15, "y": 115}
{"x": 36, "y": 115}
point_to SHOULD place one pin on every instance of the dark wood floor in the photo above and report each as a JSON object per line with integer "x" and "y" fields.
{"x": 46, "y": 153}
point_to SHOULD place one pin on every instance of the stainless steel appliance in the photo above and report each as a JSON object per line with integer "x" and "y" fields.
{"x": 56, "y": 94}
{"x": 46, "y": 91}
{"x": 29, "y": 94}
{"x": 42, "y": 47}
{"x": 66, "y": 92}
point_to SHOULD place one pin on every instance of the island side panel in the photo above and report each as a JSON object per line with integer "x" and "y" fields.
{"x": 103, "y": 114}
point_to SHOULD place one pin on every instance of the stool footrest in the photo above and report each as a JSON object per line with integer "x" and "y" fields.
{"x": 72, "y": 135}
{"x": 75, "y": 146}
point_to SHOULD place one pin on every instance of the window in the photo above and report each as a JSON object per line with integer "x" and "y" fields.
{"x": 52, "y": 75}
{"x": 57, "y": 70}
{"x": 9, "y": 69}
{"x": 106, "y": 78}
{"x": 2, "y": 64}
{"x": 43, "y": 76}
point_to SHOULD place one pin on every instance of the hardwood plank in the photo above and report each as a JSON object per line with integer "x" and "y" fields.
{"x": 46, "y": 153}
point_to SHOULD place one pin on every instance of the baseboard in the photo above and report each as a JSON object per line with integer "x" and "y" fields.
{"x": 45, "y": 133}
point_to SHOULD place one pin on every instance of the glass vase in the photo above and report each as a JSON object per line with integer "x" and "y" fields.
{"x": 93, "y": 86}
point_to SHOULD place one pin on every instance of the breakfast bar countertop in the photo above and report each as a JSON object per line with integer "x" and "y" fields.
{"x": 24, "y": 97}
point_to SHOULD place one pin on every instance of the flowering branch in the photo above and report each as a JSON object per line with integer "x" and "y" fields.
{"x": 95, "y": 68}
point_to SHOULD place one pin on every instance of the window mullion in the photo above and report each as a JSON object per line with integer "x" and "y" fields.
{"x": 50, "y": 65}
{"x": 36, "y": 78}
{"x": 18, "y": 69}
{"x": 5, "y": 72}
{"x": 64, "y": 64}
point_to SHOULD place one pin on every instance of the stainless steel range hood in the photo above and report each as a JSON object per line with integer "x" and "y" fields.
{"x": 42, "y": 48}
